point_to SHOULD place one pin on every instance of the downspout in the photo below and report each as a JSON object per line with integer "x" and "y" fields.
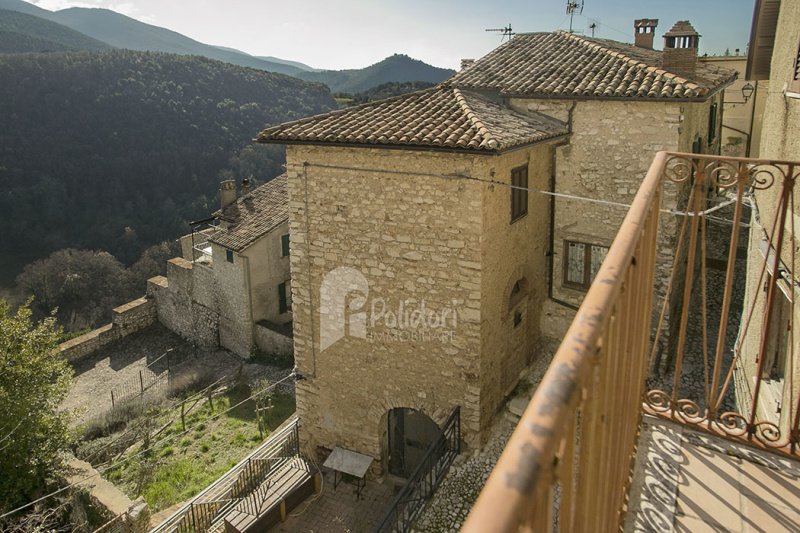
{"x": 552, "y": 185}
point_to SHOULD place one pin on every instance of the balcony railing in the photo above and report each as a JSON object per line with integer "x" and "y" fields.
{"x": 567, "y": 465}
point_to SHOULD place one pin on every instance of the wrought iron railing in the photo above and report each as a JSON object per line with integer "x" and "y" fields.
{"x": 420, "y": 486}
{"x": 240, "y": 485}
{"x": 567, "y": 465}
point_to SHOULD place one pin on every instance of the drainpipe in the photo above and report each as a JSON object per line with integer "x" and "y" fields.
{"x": 551, "y": 252}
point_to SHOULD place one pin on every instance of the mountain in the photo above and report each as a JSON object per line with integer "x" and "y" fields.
{"x": 117, "y": 150}
{"x": 124, "y": 32}
{"x": 301, "y": 66}
{"x": 396, "y": 68}
{"x": 20, "y": 32}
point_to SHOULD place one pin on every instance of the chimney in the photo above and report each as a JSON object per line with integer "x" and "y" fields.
{"x": 680, "y": 48}
{"x": 227, "y": 193}
{"x": 644, "y": 30}
{"x": 245, "y": 186}
{"x": 466, "y": 63}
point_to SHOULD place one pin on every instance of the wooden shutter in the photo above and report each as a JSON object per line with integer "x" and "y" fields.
{"x": 762, "y": 39}
{"x": 284, "y": 245}
{"x": 282, "y": 307}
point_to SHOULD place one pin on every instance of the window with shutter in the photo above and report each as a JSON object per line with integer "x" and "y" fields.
{"x": 284, "y": 245}
{"x": 519, "y": 193}
{"x": 582, "y": 262}
{"x": 282, "y": 301}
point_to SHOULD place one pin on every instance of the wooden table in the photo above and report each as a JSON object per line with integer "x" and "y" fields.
{"x": 343, "y": 461}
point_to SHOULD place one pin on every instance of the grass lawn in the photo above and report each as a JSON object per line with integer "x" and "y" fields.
{"x": 184, "y": 464}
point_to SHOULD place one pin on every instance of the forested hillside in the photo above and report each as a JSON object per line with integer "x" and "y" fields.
{"x": 396, "y": 68}
{"x": 121, "y": 31}
{"x": 25, "y": 33}
{"x": 118, "y": 150}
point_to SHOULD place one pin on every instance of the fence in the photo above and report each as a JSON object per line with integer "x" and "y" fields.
{"x": 409, "y": 502}
{"x": 151, "y": 380}
{"x": 213, "y": 503}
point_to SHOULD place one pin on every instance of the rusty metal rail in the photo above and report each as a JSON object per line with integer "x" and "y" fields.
{"x": 567, "y": 465}
{"x": 567, "y": 462}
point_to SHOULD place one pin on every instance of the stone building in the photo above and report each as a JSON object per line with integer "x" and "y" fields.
{"x": 232, "y": 286}
{"x": 776, "y": 39}
{"x": 490, "y": 199}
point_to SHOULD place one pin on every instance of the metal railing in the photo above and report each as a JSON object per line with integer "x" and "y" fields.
{"x": 239, "y": 485}
{"x": 406, "y": 506}
{"x": 734, "y": 376}
{"x": 567, "y": 465}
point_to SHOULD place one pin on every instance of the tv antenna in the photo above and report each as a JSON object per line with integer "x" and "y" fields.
{"x": 574, "y": 6}
{"x": 593, "y": 24}
{"x": 505, "y": 32}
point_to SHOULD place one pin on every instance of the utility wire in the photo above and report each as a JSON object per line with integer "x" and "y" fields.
{"x": 166, "y": 439}
{"x": 448, "y": 177}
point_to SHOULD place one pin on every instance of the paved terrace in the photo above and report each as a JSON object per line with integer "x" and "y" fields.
{"x": 685, "y": 481}
{"x": 117, "y": 365}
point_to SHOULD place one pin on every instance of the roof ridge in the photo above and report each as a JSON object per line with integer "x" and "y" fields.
{"x": 474, "y": 120}
{"x": 635, "y": 62}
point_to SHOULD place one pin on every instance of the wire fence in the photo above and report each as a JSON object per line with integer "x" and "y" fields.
{"x": 151, "y": 381}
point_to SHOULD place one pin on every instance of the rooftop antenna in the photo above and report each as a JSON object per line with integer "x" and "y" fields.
{"x": 574, "y": 6}
{"x": 505, "y": 32}
{"x": 593, "y": 25}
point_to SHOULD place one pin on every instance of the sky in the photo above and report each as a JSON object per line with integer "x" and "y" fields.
{"x": 357, "y": 33}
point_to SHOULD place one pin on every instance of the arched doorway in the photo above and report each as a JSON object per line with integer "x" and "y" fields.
{"x": 410, "y": 435}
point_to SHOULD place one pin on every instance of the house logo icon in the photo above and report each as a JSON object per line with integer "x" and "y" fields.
{"x": 342, "y": 310}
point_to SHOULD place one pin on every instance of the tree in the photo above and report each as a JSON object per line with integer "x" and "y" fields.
{"x": 34, "y": 379}
{"x": 82, "y": 286}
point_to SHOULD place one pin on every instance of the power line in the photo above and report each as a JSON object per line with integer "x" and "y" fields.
{"x": 448, "y": 177}
{"x": 166, "y": 439}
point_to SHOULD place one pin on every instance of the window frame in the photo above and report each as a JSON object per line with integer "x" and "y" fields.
{"x": 712, "y": 123}
{"x": 794, "y": 83}
{"x": 587, "y": 265}
{"x": 519, "y": 196}
{"x": 284, "y": 297}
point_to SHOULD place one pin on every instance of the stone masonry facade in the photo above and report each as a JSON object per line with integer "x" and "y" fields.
{"x": 418, "y": 231}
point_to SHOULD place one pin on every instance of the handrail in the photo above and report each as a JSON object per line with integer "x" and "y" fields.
{"x": 533, "y": 448}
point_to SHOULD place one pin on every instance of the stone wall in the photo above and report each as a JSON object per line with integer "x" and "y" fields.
{"x": 233, "y": 302}
{"x": 126, "y": 319}
{"x": 610, "y": 150}
{"x": 413, "y": 237}
{"x": 512, "y": 252}
{"x": 185, "y": 301}
{"x": 272, "y": 342}
{"x": 107, "y": 499}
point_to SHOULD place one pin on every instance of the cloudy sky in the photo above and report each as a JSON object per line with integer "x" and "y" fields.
{"x": 356, "y": 33}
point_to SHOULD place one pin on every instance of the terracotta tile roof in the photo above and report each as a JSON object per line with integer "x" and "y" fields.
{"x": 439, "y": 118}
{"x": 553, "y": 65}
{"x": 252, "y": 215}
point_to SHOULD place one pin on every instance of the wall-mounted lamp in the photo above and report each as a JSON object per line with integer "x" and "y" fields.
{"x": 747, "y": 92}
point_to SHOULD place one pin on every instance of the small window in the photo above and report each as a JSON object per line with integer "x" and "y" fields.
{"x": 229, "y": 256}
{"x": 519, "y": 192}
{"x": 712, "y": 124}
{"x": 285, "y": 297}
{"x": 794, "y": 86}
{"x": 582, "y": 262}
{"x": 285, "y": 245}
